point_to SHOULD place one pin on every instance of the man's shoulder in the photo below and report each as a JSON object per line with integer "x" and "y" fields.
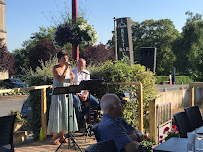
{"x": 86, "y": 71}
{"x": 107, "y": 123}
{"x": 74, "y": 70}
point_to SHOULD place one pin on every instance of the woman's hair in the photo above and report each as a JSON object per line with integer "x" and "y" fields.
{"x": 61, "y": 54}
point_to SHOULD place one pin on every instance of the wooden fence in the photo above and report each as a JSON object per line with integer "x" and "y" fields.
{"x": 44, "y": 102}
{"x": 191, "y": 89}
{"x": 153, "y": 110}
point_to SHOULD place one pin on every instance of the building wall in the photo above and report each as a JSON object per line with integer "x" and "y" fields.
{"x": 2, "y": 21}
{"x": 180, "y": 97}
{"x": 4, "y": 75}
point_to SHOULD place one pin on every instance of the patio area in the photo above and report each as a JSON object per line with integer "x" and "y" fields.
{"x": 46, "y": 146}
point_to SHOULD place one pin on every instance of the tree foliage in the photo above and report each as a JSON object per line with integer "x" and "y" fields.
{"x": 98, "y": 53}
{"x": 21, "y": 60}
{"x": 42, "y": 51}
{"x": 189, "y": 48}
{"x": 160, "y": 34}
{"x": 6, "y": 59}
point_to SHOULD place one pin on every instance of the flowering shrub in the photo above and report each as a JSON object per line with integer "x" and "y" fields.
{"x": 75, "y": 33}
{"x": 147, "y": 144}
{"x": 169, "y": 133}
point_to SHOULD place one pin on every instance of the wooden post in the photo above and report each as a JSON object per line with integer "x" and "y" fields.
{"x": 43, "y": 111}
{"x": 140, "y": 107}
{"x": 152, "y": 121}
{"x": 115, "y": 39}
{"x": 75, "y": 47}
{"x": 191, "y": 95}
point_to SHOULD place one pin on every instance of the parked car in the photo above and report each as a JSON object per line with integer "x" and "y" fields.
{"x": 13, "y": 83}
{"x": 26, "y": 109}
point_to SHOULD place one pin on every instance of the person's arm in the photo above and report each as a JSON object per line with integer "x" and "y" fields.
{"x": 133, "y": 146}
{"x": 71, "y": 77}
{"x": 85, "y": 95}
{"x": 87, "y": 77}
{"x": 136, "y": 136}
{"x": 60, "y": 77}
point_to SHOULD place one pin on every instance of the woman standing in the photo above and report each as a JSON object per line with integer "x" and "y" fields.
{"x": 58, "y": 114}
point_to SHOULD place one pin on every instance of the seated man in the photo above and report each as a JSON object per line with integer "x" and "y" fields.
{"x": 81, "y": 74}
{"x": 113, "y": 126}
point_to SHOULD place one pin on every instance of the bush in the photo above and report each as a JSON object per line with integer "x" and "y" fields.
{"x": 42, "y": 76}
{"x": 122, "y": 72}
{"x": 183, "y": 80}
{"x": 179, "y": 79}
{"x": 147, "y": 144}
{"x": 160, "y": 79}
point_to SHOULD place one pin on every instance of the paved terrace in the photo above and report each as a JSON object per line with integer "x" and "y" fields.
{"x": 46, "y": 146}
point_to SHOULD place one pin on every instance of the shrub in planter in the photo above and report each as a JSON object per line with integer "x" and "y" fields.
{"x": 147, "y": 144}
{"x": 19, "y": 121}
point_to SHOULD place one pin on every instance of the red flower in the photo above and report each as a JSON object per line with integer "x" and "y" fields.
{"x": 174, "y": 127}
{"x": 166, "y": 129}
{"x": 145, "y": 137}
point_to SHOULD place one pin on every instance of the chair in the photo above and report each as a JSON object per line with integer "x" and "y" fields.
{"x": 94, "y": 129}
{"x": 194, "y": 117}
{"x": 103, "y": 146}
{"x": 6, "y": 133}
{"x": 182, "y": 124}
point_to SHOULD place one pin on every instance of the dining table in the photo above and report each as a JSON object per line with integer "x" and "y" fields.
{"x": 198, "y": 130}
{"x": 174, "y": 144}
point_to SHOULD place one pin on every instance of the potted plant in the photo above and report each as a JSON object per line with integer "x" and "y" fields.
{"x": 147, "y": 144}
{"x": 75, "y": 32}
{"x": 169, "y": 133}
{"x": 19, "y": 121}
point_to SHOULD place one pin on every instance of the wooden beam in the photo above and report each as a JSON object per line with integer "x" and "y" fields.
{"x": 152, "y": 121}
{"x": 140, "y": 107}
{"x": 43, "y": 112}
{"x": 191, "y": 96}
{"x": 24, "y": 89}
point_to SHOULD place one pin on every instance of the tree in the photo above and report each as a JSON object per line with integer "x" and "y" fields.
{"x": 42, "y": 51}
{"x": 160, "y": 34}
{"x": 21, "y": 60}
{"x": 190, "y": 52}
{"x": 6, "y": 59}
{"x": 98, "y": 53}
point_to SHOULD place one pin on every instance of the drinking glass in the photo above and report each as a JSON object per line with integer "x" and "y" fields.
{"x": 199, "y": 143}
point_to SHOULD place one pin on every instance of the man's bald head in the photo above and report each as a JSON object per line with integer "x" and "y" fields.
{"x": 81, "y": 64}
{"x": 110, "y": 104}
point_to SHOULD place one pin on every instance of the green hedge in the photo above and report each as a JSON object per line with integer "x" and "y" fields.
{"x": 179, "y": 79}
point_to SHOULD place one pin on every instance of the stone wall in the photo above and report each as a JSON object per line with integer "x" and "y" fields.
{"x": 179, "y": 98}
{"x": 4, "y": 75}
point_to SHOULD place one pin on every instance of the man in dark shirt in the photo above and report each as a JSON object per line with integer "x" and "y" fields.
{"x": 113, "y": 126}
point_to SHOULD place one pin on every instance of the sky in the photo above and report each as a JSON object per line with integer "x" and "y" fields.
{"x": 24, "y": 17}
